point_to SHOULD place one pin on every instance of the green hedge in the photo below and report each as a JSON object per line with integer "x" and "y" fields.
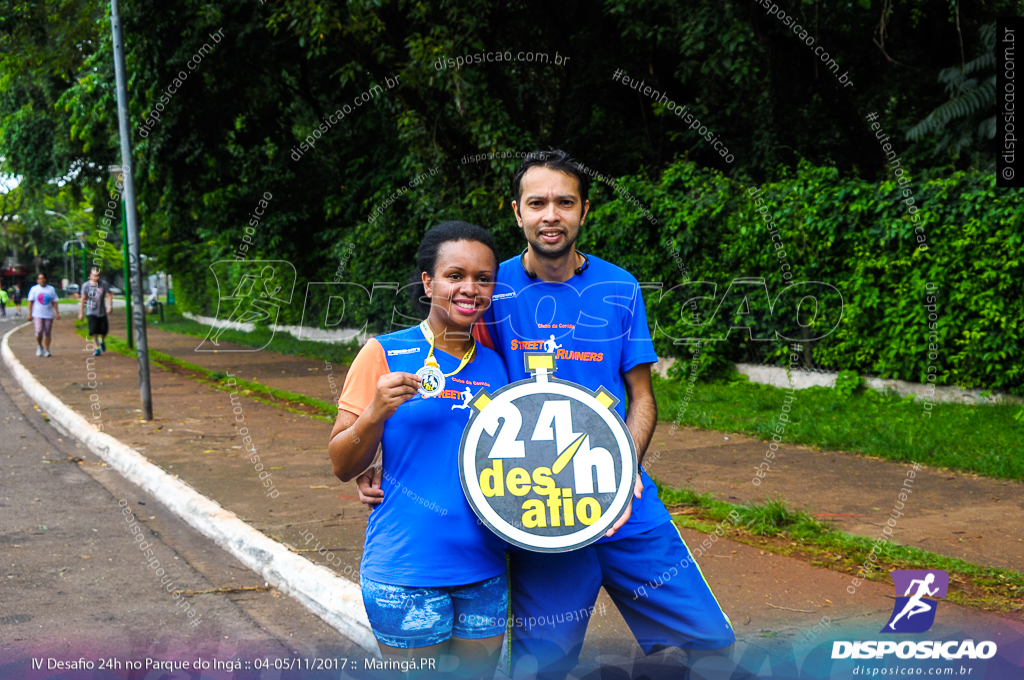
{"x": 843, "y": 231}
{"x": 857, "y": 236}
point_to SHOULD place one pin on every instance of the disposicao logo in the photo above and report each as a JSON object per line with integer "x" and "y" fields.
{"x": 912, "y": 613}
{"x": 926, "y": 649}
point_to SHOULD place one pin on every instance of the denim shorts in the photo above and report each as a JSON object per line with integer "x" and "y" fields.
{"x": 408, "y": 617}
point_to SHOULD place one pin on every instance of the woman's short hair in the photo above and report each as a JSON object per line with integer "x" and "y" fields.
{"x": 430, "y": 246}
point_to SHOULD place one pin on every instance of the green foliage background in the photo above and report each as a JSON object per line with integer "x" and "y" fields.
{"x": 228, "y": 133}
{"x": 855, "y": 235}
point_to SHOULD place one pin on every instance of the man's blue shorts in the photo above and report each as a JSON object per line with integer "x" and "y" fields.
{"x": 652, "y": 578}
{"x": 409, "y": 617}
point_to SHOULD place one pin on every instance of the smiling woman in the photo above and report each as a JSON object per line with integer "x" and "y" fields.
{"x": 424, "y": 545}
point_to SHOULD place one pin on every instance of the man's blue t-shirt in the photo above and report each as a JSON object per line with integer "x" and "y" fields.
{"x": 424, "y": 533}
{"x": 596, "y": 324}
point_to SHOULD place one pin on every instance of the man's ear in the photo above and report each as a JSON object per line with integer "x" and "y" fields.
{"x": 517, "y": 213}
{"x": 586, "y": 208}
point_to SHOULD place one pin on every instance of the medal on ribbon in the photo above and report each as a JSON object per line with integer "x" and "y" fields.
{"x": 432, "y": 379}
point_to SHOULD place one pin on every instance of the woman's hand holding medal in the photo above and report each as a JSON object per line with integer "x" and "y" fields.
{"x": 354, "y": 439}
{"x": 393, "y": 390}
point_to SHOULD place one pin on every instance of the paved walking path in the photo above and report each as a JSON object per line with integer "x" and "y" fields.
{"x": 951, "y": 513}
{"x": 75, "y": 583}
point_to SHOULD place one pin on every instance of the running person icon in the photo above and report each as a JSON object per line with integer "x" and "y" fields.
{"x": 551, "y": 345}
{"x": 467, "y": 395}
{"x": 914, "y": 604}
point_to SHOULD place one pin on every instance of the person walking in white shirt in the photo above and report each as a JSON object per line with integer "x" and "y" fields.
{"x": 42, "y": 312}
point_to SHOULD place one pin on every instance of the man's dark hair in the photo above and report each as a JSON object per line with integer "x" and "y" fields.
{"x": 430, "y": 246}
{"x": 556, "y": 159}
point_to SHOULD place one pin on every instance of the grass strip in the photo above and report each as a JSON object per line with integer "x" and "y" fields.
{"x": 987, "y": 439}
{"x": 322, "y": 410}
{"x": 772, "y": 526}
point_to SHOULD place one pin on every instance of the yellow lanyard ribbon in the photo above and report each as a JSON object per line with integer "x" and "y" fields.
{"x": 431, "y": 361}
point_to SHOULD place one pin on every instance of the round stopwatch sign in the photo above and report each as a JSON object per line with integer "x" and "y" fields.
{"x": 547, "y": 464}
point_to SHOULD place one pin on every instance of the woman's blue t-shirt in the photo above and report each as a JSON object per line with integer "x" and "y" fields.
{"x": 424, "y": 533}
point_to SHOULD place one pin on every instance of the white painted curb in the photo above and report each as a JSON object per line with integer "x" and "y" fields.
{"x": 800, "y": 379}
{"x": 332, "y": 598}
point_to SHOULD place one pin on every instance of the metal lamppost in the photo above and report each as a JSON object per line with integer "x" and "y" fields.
{"x": 115, "y": 174}
{"x": 72, "y": 258}
{"x": 81, "y": 239}
{"x": 131, "y": 222}
{"x": 78, "y": 237}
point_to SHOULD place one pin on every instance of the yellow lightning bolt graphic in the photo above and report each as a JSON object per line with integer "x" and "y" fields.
{"x": 566, "y": 456}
